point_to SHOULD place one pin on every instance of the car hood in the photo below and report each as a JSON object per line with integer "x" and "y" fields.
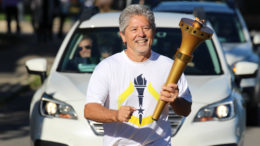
{"x": 209, "y": 89}
{"x": 204, "y": 89}
{"x": 235, "y": 52}
{"x": 67, "y": 86}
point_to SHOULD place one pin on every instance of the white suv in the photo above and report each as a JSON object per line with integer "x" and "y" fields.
{"x": 56, "y": 113}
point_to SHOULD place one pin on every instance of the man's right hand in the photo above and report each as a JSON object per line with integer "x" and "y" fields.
{"x": 99, "y": 113}
{"x": 124, "y": 113}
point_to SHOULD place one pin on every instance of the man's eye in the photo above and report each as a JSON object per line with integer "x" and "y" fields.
{"x": 147, "y": 28}
{"x": 133, "y": 29}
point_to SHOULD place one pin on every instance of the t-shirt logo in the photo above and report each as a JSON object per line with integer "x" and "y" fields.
{"x": 140, "y": 85}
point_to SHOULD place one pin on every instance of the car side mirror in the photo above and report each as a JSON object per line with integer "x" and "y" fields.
{"x": 244, "y": 69}
{"x": 37, "y": 66}
{"x": 256, "y": 41}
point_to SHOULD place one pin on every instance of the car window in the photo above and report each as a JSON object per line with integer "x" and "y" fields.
{"x": 227, "y": 27}
{"x": 107, "y": 41}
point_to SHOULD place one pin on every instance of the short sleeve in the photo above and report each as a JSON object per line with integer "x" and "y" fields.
{"x": 97, "y": 90}
{"x": 184, "y": 91}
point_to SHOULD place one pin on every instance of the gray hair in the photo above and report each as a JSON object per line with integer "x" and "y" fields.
{"x": 136, "y": 9}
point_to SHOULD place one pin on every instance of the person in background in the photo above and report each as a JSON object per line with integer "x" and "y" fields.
{"x": 42, "y": 18}
{"x": 63, "y": 13}
{"x": 36, "y": 12}
{"x": 104, "y": 5}
{"x": 149, "y": 3}
{"x": 141, "y": 2}
{"x": 99, "y": 6}
{"x": 106, "y": 52}
{"x": 11, "y": 10}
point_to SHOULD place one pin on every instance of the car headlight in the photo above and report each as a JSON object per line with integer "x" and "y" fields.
{"x": 223, "y": 110}
{"x": 50, "y": 107}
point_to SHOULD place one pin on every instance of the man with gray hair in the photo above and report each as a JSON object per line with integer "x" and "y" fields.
{"x": 125, "y": 88}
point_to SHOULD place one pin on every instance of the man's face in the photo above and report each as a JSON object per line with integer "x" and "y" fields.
{"x": 138, "y": 35}
{"x": 85, "y": 46}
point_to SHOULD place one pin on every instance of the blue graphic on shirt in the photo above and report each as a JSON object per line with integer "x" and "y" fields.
{"x": 140, "y": 84}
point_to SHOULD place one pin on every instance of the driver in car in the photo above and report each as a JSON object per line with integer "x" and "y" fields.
{"x": 84, "y": 60}
{"x": 85, "y": 51}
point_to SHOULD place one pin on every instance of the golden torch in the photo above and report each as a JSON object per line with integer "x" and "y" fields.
{"x": 193, "y": 33}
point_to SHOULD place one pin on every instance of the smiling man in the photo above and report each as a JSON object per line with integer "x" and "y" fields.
{"x": 125, "y": 88}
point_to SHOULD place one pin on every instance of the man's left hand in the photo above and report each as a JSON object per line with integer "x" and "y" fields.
{"x": 169, "y": 93}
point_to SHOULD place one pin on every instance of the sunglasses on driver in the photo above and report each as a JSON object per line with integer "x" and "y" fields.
{"x": 86, "y": 47}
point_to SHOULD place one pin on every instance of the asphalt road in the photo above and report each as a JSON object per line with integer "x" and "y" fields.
{"x": 14, "y": 120}
{"x": 14, "y": 123}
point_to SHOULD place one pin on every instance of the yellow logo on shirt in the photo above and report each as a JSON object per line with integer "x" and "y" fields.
{"x": 125, "y": 94}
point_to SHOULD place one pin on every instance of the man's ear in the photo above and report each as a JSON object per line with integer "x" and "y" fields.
{"x": 123, "y": 37}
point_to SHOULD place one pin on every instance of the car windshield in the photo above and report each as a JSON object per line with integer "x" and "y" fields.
{"x": 88, "y": 47}
{"x": 227, "y": 27}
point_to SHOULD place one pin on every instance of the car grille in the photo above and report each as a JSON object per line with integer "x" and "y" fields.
{"x": 174, "y": 119}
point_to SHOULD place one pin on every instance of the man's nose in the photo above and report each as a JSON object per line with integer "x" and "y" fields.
{"x": 141, "y": 33}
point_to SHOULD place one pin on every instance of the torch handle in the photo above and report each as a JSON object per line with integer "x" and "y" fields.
{"x": 177, "y": 69}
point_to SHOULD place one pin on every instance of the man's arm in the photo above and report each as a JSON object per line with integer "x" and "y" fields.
{"x": 180, "y": 105}
{"x": 99, "y": 113}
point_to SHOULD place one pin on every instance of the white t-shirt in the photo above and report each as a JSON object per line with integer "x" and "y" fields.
{"x": 118, "y": 81}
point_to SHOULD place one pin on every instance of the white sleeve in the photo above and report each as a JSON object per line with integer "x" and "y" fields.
{"x": 97, "y": 91}
{"x": 184, "y": 91}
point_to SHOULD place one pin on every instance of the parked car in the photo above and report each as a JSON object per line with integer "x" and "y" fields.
{"x": 234, "y": 37}
{"x": 56, "y": 112}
